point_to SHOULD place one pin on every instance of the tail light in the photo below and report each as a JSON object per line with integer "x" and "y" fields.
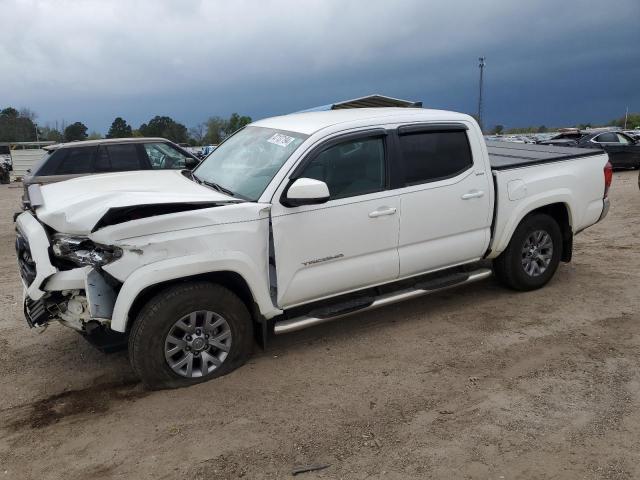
{"x": 608, "y": 176}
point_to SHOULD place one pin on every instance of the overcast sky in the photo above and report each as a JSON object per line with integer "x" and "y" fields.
{"x": 549, "y": 62}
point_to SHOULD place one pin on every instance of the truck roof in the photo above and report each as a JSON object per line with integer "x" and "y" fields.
{"x": 311, "y": 122}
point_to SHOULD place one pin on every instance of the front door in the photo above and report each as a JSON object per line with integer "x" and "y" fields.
{"x": 347, "y": 243}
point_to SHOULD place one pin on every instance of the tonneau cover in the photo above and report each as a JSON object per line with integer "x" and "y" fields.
{"x": 503, "y": 155}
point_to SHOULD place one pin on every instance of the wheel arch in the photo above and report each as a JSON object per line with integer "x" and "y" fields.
{"x": 560, "y": 210}
{"x": 229, "y": 279}
{"x": 561, "y": 213}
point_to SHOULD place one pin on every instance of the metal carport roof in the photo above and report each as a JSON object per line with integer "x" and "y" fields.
{"x": 370, "y": 101}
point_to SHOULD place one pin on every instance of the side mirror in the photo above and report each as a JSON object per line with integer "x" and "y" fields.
{"x": 191, "y": 163}
{"x": 306, "y": 191}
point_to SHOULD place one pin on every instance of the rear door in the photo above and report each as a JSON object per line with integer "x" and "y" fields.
{"x": 631, "y": 149}
{"x": 347, "y": 243}
{"x": 445, "y": 198}
{"x": 610, "y": 143}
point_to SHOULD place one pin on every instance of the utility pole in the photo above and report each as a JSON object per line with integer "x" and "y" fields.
{"x": 626, "y": 115}
{"x": 481, "y": 65}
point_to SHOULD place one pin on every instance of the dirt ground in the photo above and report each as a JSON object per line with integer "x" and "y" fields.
{"x": 478, "y": 382}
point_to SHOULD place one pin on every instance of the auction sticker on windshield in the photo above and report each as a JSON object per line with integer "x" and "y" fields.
{"x": 280, "y": 139}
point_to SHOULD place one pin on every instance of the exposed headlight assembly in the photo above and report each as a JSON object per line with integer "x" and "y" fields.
{"x": 82, "y": 251}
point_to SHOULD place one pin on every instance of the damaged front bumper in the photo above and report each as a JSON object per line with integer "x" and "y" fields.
{"x": 81, "y": 298}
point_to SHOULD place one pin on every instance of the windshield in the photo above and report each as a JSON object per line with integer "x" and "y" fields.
{"x": 248, "y": 161}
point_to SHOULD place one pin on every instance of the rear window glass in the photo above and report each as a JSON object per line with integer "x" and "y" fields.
{"x": 4, "y": 150}
{"x": 65, "y": 161}
{"x": 76, "y": 161}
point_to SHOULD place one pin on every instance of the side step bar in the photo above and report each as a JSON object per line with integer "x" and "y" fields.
{"x": 306, "y": 321}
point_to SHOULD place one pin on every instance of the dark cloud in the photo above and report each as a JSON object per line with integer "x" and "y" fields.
{"x": 548, "y": 62}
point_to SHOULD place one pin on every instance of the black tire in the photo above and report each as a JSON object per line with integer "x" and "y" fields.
{"x": 157, "y": 318}
{"x": 5, "y": 178}
{"x": 509, "y": 268}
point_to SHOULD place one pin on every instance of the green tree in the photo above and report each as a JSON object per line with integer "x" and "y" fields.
{"x": 235, "y": 123}
{"x": 198, "y": 133}
{"x": 216, "y": 130}
{"x": 75, "y": 131}
{"x": 219, "y": 128}
{"x": 633, "y": 120}
{"x": 93, "y": 135}
{"x": 51, "y": 134}
{"x": 497, "y": 130}
{"x": 9, "y": 112}
{"x": 542, "y": 129}
{"x": 119, "y": 129}
{"x": 17, "y": 126}
{"x": 165, "y": 127}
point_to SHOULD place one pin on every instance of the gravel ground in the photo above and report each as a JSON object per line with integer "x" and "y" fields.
{"x": 478, "y": 382}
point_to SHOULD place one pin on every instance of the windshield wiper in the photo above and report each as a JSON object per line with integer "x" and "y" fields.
{"x": 219, "y": 188}
{"x": 213, "y": 185}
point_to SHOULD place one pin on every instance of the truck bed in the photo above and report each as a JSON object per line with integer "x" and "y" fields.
{"x": 505, "y": 155}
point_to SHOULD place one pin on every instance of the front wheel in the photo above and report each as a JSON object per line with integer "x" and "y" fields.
{"x": 533, "y": 254}
{"x": 190, "y": 333}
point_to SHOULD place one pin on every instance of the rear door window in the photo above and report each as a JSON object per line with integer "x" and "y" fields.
{"x": 429, "y": 156}
{"x": 607, "y": 138}
{"x": 75, "y": 161}
{"x": 118, "y": 158}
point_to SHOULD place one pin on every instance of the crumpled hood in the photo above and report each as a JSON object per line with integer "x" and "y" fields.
{"x": 75, "y": 206}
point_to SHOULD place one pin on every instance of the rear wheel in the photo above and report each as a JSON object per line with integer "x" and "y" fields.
{"x": 5, "y": 177}
{"x": 190, "y": 333}
{"x": 533, "y": 254}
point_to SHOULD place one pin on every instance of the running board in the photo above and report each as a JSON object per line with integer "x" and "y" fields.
{"x": 306, "y": 321}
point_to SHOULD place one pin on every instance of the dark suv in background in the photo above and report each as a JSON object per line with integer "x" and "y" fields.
{"x": 70, "y": 160}
{"x": 623, "y": 150}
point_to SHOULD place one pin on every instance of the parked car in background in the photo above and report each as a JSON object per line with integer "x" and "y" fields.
{"x": 6, "y": 165}
{"x": 564, "y": 139}
{"x": 188, "y": 148}
{"x": 635, "y": 134}
{"x": 207, "y": 150}
{"x": 623, "y": 150}
{"x": 69, "y": 160}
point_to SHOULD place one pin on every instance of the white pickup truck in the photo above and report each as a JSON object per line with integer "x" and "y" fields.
{"x": 294, "y": 221}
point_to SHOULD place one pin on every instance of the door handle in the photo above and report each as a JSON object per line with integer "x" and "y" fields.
{"x": 473, "y": 194}
{"x": 382, "y": 212}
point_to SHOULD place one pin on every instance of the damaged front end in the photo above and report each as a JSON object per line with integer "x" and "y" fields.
{"x": 82, "y": 309}
{"x": 63, "y": 280}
